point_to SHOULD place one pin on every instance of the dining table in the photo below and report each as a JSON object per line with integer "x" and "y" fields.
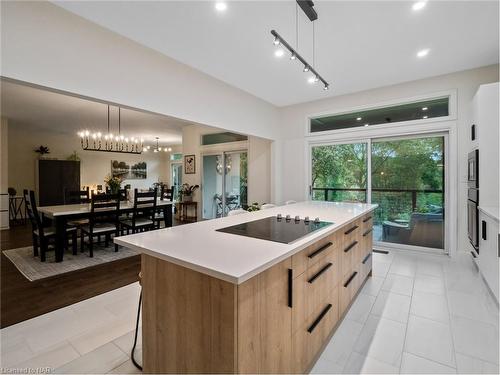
{"x": 61, "y": 214}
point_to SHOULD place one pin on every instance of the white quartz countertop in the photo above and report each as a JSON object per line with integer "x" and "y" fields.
{"x": 491, "y": 211}
{"x": 235, "y": 258}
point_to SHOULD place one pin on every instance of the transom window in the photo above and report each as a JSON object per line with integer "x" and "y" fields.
{"x": 397, "y": 113}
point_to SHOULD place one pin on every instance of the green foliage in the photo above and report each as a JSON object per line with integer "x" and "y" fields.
{"x": 410, "y": 164}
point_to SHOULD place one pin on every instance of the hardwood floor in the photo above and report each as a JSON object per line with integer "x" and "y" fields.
{"x": 22, "y": 299}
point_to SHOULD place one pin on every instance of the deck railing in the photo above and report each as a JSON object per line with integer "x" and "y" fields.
{"x": 414, "y": 192}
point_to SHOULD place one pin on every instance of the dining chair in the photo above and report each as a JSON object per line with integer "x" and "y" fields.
{"x": 238, "y": 211}
{"x": 143, "y": 213}
{"x": 165, "y": 194}
{"x": 103, "y": 220}
{"x": 42, "y": 233}
{"x": 77, "y": 196}
{"x": 267, "y": 206}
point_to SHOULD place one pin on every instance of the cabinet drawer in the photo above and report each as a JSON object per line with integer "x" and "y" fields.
{"x": 312, "y": 334}
{"x": 366, "y": 266}
{"x": 314, "y": 253}
{"x": 348, "y": 288}
{"x": 366, "y": 222}
{"x": 312, "y": 289}
{"x": 348, "y": 255}
{"x": 351, "y": 232}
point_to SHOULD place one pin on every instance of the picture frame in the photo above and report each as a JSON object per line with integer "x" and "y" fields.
{"x": 189, "y": 164}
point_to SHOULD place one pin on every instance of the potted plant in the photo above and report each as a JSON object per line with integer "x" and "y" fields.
{"x": 253, "y": 207}
{"x": 42, "y": 150}
{"x": 186, "y": 192}
{"x": 114, "y": 183}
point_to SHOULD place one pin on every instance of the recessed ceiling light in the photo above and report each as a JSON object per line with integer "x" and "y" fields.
{"x": 423, "y": 52}
{"x": 220, "y": 6}
{"x": 311, "y": 80}
{"x": 419, "y": 5}
{"x": 279, "y": 53}
{"x": 367, "y": 124}
{"x": 359, "y": 118}
{"x": 424, "y": 108}
{"x": 425, "y": 116}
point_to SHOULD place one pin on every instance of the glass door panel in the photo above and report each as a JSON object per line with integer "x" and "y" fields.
{"x": 236, "y": 181}
{"x": 212, "y": 186}
{"x": 225, "y": 183}
{"x": 407, "y": 177}
{"x": 176, "y": 170}
{"x": 339, "y": 172}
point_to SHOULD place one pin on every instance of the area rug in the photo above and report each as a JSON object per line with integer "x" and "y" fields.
{"x": 33, "y": 269}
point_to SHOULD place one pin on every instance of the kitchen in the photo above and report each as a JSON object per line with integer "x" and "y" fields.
{"x": 359, "y": 238}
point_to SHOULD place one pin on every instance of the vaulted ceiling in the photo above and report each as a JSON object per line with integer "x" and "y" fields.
{"x": 359, "y": 44}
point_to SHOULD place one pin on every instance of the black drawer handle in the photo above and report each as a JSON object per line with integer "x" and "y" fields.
{"x": 350, "y": 246}
{"x": 483, "y": 229}
{"x": 367, "y": 232}
{"x": 350, "y": 279}
{"x": 366, "y": 258}
{"x": 319, "y": 318}
{"x": 320, "y": 250}
{"x": 367, "y": 219}
{"x": 351, "y": 230}
{"x": 290, "y": 287}
{"x": 311, "y": 280}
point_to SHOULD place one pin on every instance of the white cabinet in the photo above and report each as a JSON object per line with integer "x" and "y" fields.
{"x": 486, "y": 108}
{"x": 488, "y": 247}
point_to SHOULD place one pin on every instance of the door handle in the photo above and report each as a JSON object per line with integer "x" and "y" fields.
{"x": 290, "y": 287}
{"x": 483, "y": 229}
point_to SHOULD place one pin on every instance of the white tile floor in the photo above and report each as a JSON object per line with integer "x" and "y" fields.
{"x": 419, "y": 313}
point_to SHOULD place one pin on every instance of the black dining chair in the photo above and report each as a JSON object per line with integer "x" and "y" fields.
{"x": 122, "y": 192}
{"x": 142, "y": 218}
{"x": 77, "y": 196}
{"x": 103, "y": 220}
{"x": 43, "y": 233}
{"x": 165, "y": 194}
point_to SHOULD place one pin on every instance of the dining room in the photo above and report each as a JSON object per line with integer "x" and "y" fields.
{"x": 78, "y": 172}
{"x": 68, "y": 197}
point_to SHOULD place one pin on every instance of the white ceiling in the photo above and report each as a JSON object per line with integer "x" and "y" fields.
{"x": 54, "y": 112}
{"x": 359, "y": 44}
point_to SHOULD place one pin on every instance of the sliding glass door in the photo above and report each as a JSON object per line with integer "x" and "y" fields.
{"x": 408, "y": 185}
{"x": 224, "y": 184}
{"x": 404, "y": 176}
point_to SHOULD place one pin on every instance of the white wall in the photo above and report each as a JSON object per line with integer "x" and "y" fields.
{"x": 4, "y": 176}
{"x": 94, "y": 166}
{"x": 4, "y": 156}
{"x": 289, "y": 163}
{"x": 46, "y": 45}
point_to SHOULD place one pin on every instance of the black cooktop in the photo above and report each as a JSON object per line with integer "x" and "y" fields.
{"x": 276, "y": 228}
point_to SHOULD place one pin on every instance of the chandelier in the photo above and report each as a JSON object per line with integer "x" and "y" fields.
{"x": 157, "y": 148}
{"x": 110, "y": 142}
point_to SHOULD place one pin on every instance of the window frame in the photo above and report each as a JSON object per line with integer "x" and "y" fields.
{"x": 452, "y": 115}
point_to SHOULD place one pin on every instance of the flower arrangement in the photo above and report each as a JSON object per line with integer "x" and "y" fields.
{"x": 186, "y": 192}
{"x": 114, "y": 183}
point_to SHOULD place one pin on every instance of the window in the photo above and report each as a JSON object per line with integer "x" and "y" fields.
{"x": 175, "y": 157}
{"x": 226, "y": 137}
{"x": 399, "y": 113}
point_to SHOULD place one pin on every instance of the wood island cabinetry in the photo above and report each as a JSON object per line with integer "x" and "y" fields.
{"x": 278, "y": 321}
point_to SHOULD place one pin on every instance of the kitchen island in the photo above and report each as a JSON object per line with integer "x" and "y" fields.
{"x": 216, "y": 302}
